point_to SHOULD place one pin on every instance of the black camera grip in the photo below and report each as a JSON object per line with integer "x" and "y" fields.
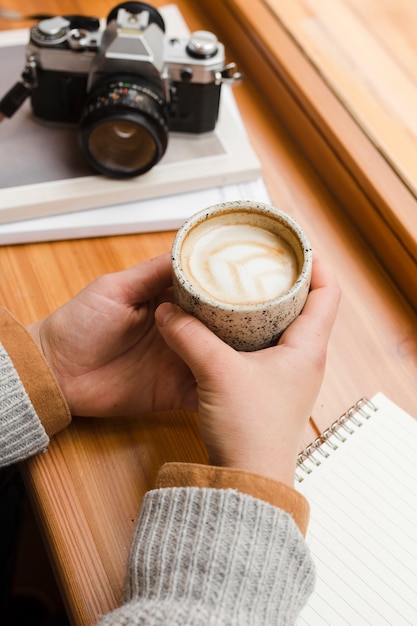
{"x": 14, "y": 99}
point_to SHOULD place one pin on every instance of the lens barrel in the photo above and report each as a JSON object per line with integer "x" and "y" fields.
{"x": 124, "y": 128}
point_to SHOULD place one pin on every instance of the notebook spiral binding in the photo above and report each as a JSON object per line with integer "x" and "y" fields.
{"x": 333, "y": 436}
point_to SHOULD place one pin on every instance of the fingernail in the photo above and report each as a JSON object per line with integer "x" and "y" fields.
{"x": 164, "y": 312}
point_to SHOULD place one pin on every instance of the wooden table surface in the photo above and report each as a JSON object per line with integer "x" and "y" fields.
{"x": 88, "y": 487}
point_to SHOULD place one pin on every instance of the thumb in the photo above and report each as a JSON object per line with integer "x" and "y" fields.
{"x": 189, "y": 338}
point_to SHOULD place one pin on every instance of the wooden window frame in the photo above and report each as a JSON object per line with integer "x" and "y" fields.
{"x": 370, "y": 191}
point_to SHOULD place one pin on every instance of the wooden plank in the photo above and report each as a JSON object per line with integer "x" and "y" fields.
{"x": 394, "y": 24}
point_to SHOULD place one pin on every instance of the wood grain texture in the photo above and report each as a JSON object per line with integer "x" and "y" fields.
{"x": 88, "y": 487}
{"x": 361, "y": 176}
{"x": 361, "y": 59}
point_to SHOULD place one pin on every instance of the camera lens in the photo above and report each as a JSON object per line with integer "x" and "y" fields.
{"x": 124, "y": 129}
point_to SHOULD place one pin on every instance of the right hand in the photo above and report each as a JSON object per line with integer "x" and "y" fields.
{"x": 254, "y": 406}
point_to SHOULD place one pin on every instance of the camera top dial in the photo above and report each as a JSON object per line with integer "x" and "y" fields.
{"x": 51, "y": 32}
{"x": 202, "y": 45}
{"x": 78, "y": 32}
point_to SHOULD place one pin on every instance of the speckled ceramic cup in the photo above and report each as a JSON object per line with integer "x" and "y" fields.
{"x": 244, "y": 269}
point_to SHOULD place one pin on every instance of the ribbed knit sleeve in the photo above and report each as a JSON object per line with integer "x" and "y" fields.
{"x": 21, "y": 432}
{"x": 32, "y": 406}
{"x": 214, "y": 556}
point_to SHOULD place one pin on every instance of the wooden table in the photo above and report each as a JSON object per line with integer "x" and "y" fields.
{"x": 88, "y": 488}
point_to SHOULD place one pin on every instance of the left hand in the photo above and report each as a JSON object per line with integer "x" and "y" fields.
{"x": 106, "y": 352}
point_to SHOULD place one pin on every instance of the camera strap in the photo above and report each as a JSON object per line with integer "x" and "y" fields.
{"x": 16, "y": 96}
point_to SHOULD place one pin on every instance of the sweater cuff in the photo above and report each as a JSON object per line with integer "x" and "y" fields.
{"x": 35, "y": 374}
{"x": 272, "y": 491}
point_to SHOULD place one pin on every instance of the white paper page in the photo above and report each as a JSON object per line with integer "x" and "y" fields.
{"x": 363, "y": 525}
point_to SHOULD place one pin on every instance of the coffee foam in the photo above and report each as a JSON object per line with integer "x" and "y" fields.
{"x": 238, "y": 263}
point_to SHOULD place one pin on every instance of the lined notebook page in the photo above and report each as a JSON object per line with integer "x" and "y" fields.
{"x": 363, "y": 524}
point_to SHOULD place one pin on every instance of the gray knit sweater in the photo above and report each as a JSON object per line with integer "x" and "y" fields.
{"x": 214, "y": 557}
{"x": 200, "y": 556}
{"x": 21, "y": 432}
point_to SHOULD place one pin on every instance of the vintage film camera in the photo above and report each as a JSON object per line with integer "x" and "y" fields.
{"x": 125, "y": 86}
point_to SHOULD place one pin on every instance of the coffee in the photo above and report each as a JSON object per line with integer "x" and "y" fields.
{"x": 242, "y": 268}
{"x": 236, "y": 261}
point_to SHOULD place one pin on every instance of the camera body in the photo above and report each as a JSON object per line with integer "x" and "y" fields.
{"x": 126, "y": 84}
{"x": 73, "y": 54}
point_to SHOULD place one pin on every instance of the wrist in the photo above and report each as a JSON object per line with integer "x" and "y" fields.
{"x": 276, "y": 466}
{"x": 36, "y": 334}
{"x": 33, "y": 329}
{"x": 34, "y": 372}
{"x": 275, "y": 459}
{"x": 283, "y": 473}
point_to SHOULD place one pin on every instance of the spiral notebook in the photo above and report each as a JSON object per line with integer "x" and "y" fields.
{"x": 360, "y": 478}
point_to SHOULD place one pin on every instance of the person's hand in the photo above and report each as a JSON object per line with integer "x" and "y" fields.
{"x": 254, "y": 406}
{"x": 105, "y": 351}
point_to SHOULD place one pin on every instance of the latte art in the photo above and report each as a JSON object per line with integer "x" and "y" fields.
{"x": 243, "y": 268}
{"x": 238, "y": 263}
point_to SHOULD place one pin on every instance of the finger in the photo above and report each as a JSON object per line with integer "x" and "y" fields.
{"x": 153, "y": 276}
{"x": 141, "y": 282}
{"x": 317, "y": 318}
{"x": 190, "y": 339}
